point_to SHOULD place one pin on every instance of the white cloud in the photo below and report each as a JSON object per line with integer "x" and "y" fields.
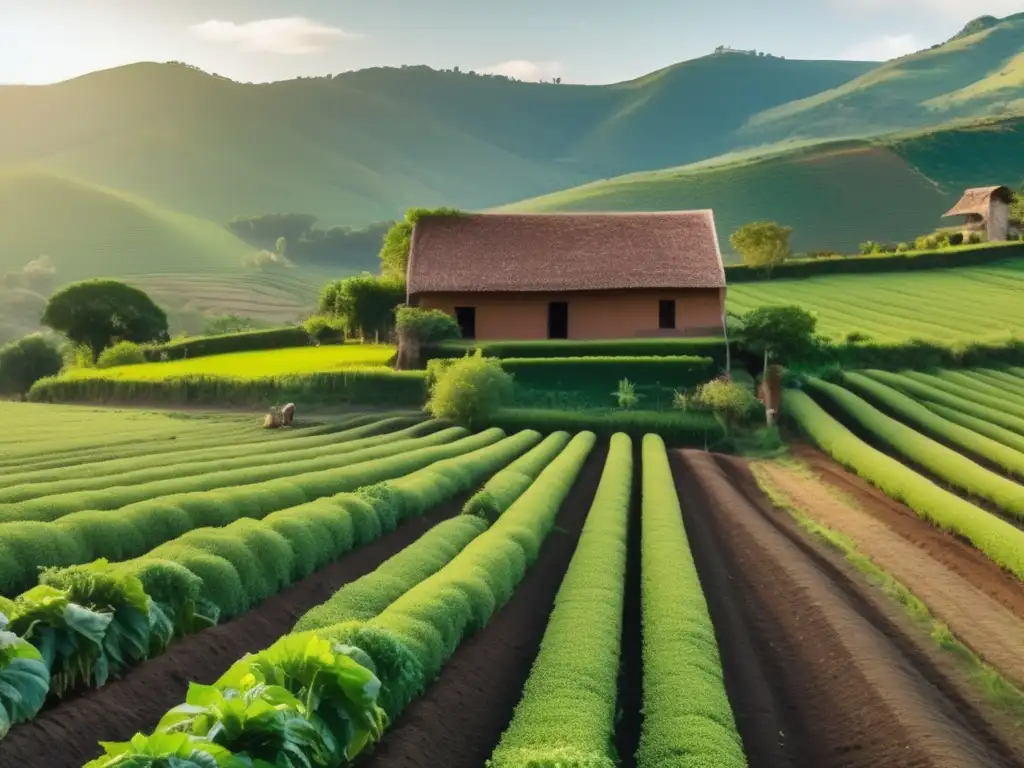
{"x": 958, "y": 10}
{"x": 526, "y": 70}
{"x": 293, "y": 36}
{"x": 883, "y": 48}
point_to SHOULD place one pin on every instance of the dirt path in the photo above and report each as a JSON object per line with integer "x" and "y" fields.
{"x": 67, "y": 735}
{"x": 985, "y": 625}
{"x": 457, "y": 722}
{"x": 957, "y": 555}
{"x": 821, "y": 669}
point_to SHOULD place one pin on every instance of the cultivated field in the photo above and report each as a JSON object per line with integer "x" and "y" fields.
{"x": 898, "y": 306}
{"x": 293, "y": 361}
{"x": 517, "y": 598}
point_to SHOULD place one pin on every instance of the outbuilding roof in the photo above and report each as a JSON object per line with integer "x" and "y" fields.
{"x": 500, "y": 252}
{"x": 976, "y": 201}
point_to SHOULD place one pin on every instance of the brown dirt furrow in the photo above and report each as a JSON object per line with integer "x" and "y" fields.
{"x": 955, "y": 554}
{"x": 457, "y": 722}
{"x": 832, "y": 665}
{"x": 67, "y": 735}
{"x": 986, "y": 626}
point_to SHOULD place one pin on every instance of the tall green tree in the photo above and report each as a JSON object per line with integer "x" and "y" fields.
{"x": 782, "y": 334}
{"x": 394, "y": 253}
{"x": 99, "y": 313}
{"x": 762, "y": 244}
{"x": 366, "y": 303}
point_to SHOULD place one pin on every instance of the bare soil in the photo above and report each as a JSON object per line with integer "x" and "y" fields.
{"x": 822, "y": 670}
{"x": 987, "y": 627}
{"x": 458, "y": 721}
{"x": 67, "y": 735}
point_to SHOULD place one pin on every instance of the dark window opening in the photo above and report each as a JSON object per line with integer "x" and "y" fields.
{"x": 466, "y": 318}
{"x": 667, "y": 314}
{"x": 558, "y": 320}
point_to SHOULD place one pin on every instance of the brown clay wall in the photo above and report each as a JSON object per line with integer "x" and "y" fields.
{"x": 592, "y": 315}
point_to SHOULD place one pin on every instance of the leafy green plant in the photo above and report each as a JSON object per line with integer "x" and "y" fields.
{"x": 730, "y": 402}
{"x": 626, "y": 395}
{"x": 168, "y": 750}
{"x": 324, "y": 329}
{"x": 470, "y": 390}
{"x": 24, "y": 679}
{"x": 25, "y": 361}
{"x": 426, "y": 326}
{"x": 122, "y": 353}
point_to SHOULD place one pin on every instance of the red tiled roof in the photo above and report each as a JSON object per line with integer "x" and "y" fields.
{"x": 493, "y": 252}
{"x": 976, "y": 201}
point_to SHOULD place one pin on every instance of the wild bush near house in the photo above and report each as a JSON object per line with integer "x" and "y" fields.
{"x": 470, "y": 390}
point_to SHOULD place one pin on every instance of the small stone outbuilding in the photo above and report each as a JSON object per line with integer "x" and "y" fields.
{"x": 986, "y": 211}
{"x": 572, "y": 275}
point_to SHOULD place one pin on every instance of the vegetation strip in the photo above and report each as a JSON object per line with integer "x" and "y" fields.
{"x": 54, "y": 507}
{"x": 394, "y": 659}
{"x": 999, "y": 434}
{"x": 567, "y": 713}
{"x": 996, "y": 538}
{"x": 211, "y": 465}
{"x": 1003, "y": 401}
{"x": 687, "y": 718}
{"x": 945, "y": 463}
{"x": 138, "y": 528}
{"x": 172, "y": 588}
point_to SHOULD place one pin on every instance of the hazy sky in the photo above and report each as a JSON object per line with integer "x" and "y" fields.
{"x": 588, "y": 41}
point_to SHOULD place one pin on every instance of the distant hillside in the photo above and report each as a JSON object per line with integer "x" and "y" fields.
{"x": 976, "y": 74}
{"x": 834, "y": 195}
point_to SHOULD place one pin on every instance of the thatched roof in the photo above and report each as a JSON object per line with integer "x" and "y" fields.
{"x": 977, "y": 201}
{"x": 564, "y": 252}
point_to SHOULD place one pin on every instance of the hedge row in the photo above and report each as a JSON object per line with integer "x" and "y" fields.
{"x": 58, "y": 505}
{"x": 966, "y": 379}
{"x": 410, "y": 641}
{"x": 248, "y": 561}
{"x": 587, "y": 374}
{"x": 1001, "y": 435}
{"x": 687, "y": 718}
{"x": 999, "y": 540}
{"x": 924, "y": 355}
{"x": 1013, "y": 377}
{"x": 370, "y": 386}
{"x": 912, "y": 412}
{"x": 900, "y": 262}
{"x": 213, "y": 467}
{"x": 990, "y": 412}
{"x": 944, "y": 463}
{"x": 566, "y": 716}
{"x": 678, "y": 428}
{"x": 501, "y": 491}
{"x": 653, "y": 347}
{"x": 136, "y": 529}
{"x": 243, "y": 341}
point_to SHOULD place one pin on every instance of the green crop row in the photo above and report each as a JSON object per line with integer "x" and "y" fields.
{"x": 930, "y": 394}
{"x": 1001, "y": 435}
{"x": 984, "y": 386}
{"x": 138, "y": 528}
{"x": 133, "y": 609}
{"x": 566, "y": 716}
{"x": 999, "y": 540}
{"x": 910, "y": 411}
{"x": 678, "y": 428}
{"x": 392, "y": 659}
{"x": 945, "y": 463}
{"x": 653, "y": 347}
{"x": 504, "y": 488}
{"x": 410, "y": 641}
{"x": 366, "y": 597}
{"x": 49, "y": 508}
{"x": 687, "y": 718}
{"x": 1003, "y": 402}
{"x": 372, "y": 386}
{"x": 211, "y": 466}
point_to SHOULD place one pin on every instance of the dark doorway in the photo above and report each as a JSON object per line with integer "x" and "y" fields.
{"x": 466, "y": 318}
{"x": 558, "y": 320}
{"x": 667, "y": 314}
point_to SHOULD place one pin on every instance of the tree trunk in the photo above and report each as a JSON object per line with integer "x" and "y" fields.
{"x": 728, "y": 352}
{"x": 766, "y": 385}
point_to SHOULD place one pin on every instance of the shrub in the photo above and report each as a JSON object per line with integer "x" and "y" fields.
{"x": 470, "y": 391}
{"x": 955, "y": 238}
{"x": 324, "y": 329}
{"x": 426, "y": 326}
{"x": 730, "y": 402}
{"x": 626, "y": 395}
{"x": 687, "y": 718}
{"x": 567, "y": 712}
{"x": 26, "y": 361}
{"x": 903, "y": 248}
{"x": 762, "y": 244}
{"x": 974, "y": 238}
{"x": 122, "y": 353}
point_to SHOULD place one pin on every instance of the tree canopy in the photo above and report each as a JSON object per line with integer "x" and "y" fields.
{"x": 763, "y": 244}
{"x": 365, "y": 302}
{"x": 24, "y": 362}
{"x": 394, "y": 254}
{"x": 782, "y": 333}
{"x": 99, "y": 313}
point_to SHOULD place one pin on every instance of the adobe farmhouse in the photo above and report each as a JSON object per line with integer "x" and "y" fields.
{"x": 986, "y": 211}
{"x": 571, "y": 276}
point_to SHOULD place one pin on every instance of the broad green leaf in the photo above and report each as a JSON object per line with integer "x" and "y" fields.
{"x": 24, "y": 681}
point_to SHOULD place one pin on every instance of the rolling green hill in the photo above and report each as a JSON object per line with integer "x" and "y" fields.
{"x": 834, "y": 195}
